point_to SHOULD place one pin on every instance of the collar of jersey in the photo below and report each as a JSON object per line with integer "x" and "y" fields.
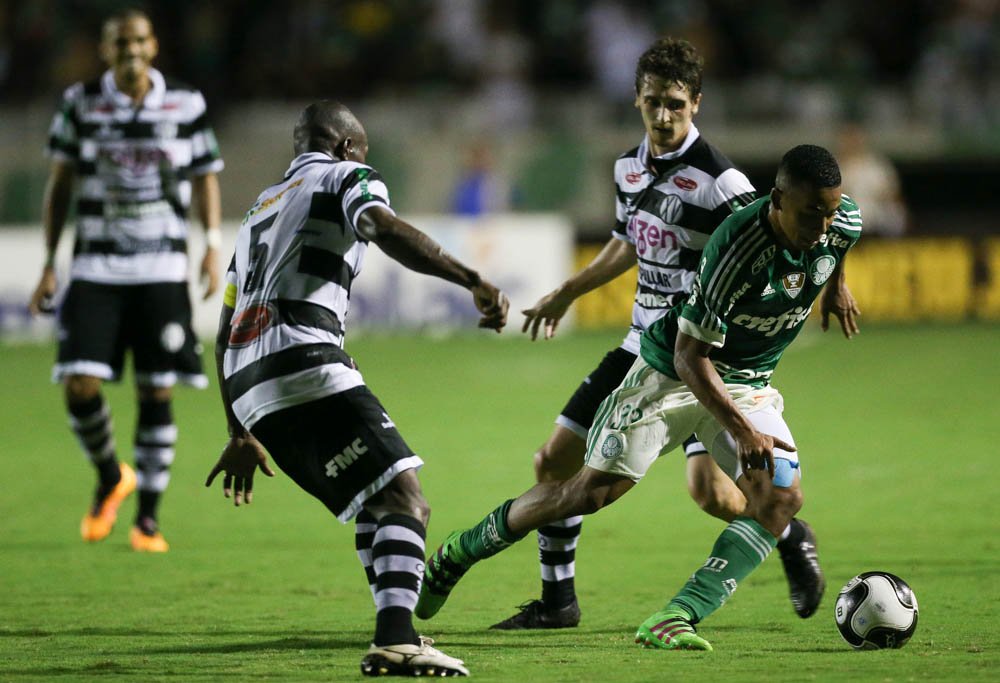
{"x": 153, "y": 99}
{"x": 649, "y": 161}
{"x": 307, "y": 158}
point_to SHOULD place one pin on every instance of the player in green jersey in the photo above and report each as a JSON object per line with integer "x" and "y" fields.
{"x": 704, "y": 368}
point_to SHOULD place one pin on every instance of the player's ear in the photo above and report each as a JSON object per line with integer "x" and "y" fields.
{"x": 343, "y": 149}
{"x": 776, "y": 198}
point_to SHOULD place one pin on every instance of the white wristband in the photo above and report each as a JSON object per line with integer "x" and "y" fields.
{"x": 213, "y": 238}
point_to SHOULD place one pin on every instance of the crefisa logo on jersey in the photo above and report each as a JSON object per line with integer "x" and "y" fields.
{"x": 822, "y": 268}
{"x": 792, "y": 282}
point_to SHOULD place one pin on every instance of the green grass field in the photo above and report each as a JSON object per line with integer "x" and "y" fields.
{"x": 897, "y": 432}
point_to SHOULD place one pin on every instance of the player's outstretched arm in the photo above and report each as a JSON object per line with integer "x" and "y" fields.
{"x": 412, "y": 248}
{"x": 242, "y": 454}
{"x": 615, "y": 258}
{"x": 836, "y": 299}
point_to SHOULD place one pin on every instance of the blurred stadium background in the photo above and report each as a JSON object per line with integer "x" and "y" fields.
{"x": 535, "y": 96}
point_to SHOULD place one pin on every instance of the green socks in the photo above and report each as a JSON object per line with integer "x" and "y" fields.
{"x": 740, "y": 548}
{"x": 488, "y": 537}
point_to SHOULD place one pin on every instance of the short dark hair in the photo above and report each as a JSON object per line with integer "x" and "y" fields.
{"x": 810, "y": 164}
{"x": 674, "y": 60}
{"x": 126, "y": 14}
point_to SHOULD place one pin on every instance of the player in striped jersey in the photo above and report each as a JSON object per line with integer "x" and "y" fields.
{"x": 137, "y": 148}
{"x": 288, "y": 386}
{"x": 704, "y": 368}
{"x": 672, "y": 191}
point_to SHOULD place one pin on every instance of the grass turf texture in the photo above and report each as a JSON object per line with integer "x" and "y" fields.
{"x": 896, "y": 430}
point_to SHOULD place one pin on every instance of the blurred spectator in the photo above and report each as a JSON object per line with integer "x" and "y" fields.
{"x": 481, "y": 188}
{"x": 870, "y": 178}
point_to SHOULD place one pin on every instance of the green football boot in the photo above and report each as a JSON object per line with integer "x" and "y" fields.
{"x": 670, "y": 630}
{"x": 444, "y": 568}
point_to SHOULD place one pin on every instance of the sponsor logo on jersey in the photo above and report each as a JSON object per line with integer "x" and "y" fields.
{"x": 774, "y": 324}
{"x": 793, "y": 282}
{"x": 684, "y": 183}
{"x": 768, "y": 290}
{"x": 836, "y": 240}
{"x": 633, "y": 177}
{"x": 648, "y": 235}
{"x": 250, "y": 323}
{"x": 345, "y": 458}
{"x": 762, "y": 260}
{"x": 264, "y": 203}
{"x": 738, "y": 293}
{"x": 822, "y": 268}
{"x": 612, "y": 447}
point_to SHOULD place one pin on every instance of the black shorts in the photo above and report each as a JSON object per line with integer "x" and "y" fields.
{"x": 342, "y": 449}
{"x": 99, "y": 322}
{"x": 578, "y": 415}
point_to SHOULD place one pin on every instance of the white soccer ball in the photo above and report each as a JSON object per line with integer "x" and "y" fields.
{"x": 876, "y": 610}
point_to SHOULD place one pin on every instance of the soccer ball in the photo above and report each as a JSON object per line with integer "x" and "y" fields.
{"x": 876, "y": 610}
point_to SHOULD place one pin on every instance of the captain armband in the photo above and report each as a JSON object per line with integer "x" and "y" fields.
{"x": 229, "y": 295}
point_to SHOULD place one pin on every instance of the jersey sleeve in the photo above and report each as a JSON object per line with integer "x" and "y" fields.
{"x": 205, "y": 155}
{"x": 847, "y": 221}
{"x": 64, "y": 141}
{"x": 723, "y": 278}
{"x": 362, "y": 188}
{"x": 731, "y": 192}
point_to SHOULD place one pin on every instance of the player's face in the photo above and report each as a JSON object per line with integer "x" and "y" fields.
{"x": 804, "y": 213}
{"x": 129, "y": 47}
{"x": 667, "y": 110}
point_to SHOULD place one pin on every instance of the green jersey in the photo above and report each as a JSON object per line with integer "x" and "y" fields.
{"x": 751, "y": 295}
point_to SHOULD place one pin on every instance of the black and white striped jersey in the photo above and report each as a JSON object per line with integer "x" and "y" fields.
{"x": 667, "y": 207}
{"x": 297, "y": 253}
{"x": 134, "y": 167}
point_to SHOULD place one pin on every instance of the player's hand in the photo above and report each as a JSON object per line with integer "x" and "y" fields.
{"x": 493, "y": 304}
{"x": 240, "y": 459}
{"x": 548, "y": 310}
{"x": 210, "y": 272}
{"x": 42, "y": 297}
{"x": 839, "y": 302}
{"x": 756, "y": 452}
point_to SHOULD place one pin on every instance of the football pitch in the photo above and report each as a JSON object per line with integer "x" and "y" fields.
{"x": 897, "y": 431}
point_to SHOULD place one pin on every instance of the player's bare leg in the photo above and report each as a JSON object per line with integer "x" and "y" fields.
{"x": 585, "y": 493}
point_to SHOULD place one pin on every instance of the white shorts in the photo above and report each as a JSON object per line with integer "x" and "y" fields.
{"x": 650, "y": 414}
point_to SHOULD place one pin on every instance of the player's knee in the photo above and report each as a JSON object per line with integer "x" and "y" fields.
{"x": 724, "y": 502}
{"x": 553, "y": 463}
{"x": 80, "y": 388}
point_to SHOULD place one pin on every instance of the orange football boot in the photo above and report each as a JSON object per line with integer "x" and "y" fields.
{"x": 99, "y": 520}
{"x": 143, "y": 543}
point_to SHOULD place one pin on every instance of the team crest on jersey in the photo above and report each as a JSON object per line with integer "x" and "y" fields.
{"x": 792, "y": 282}
{"x": 671, "y": 209}
{"x": 612, "y": 447}
{"x": 633, "y": 177}
{"x": 165, "y": 129}
{"x": 822, "y": 268}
